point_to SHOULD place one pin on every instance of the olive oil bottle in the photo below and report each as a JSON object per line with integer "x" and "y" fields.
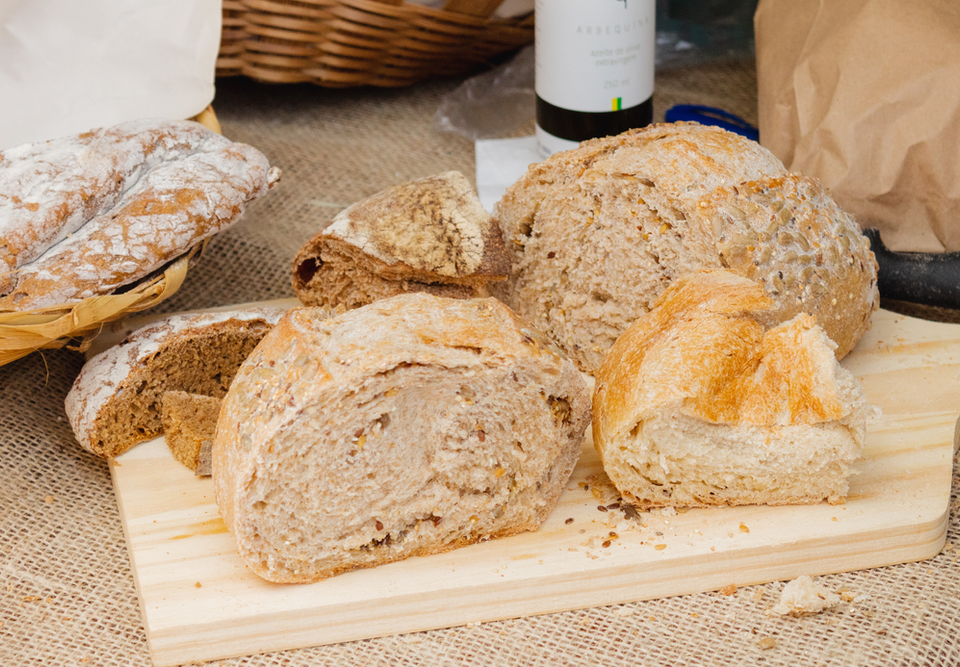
{"x": 594, "y": 69}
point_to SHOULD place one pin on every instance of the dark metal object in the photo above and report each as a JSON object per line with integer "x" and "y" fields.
{"x": 924, "y": 278}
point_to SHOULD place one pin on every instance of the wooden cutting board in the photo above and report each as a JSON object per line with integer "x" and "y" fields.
{"x": 200, "y": 602}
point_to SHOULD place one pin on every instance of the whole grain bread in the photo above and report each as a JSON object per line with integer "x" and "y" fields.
{"x": 429, "y": 235}
{"x": 597, "y": 233}
{"x": 411, "y": 426}
{"x": 116, "y": 400}
{"x": 87, "y": 215}
{"x": 696, "y": 404}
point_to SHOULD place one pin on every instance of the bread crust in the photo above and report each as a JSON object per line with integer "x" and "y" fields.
{"x": 411, "y": 426}
{"x": 597, "y": 233}
{"x": 429, "y": 235}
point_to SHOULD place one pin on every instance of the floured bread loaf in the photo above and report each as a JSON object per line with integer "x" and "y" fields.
{"x": 189, "y": 424}
{"x": 411, "y": 426}
{"x": 88, "y": 214}
{"x": 598, "y": 232}
{"x": 697, "y": 405}
{"x": 116, "y": 401}
{"x": 430, "y": 235}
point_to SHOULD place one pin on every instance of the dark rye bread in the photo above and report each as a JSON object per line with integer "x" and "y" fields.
{"x": 189, "y": 425}
{"x": 116, "y": 401}
{"x": 407, "y": 427}
{"x": 430, "y": 235}
{"x": 597, "y": 233}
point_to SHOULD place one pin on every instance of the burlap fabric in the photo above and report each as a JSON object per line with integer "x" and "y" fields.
{"x": 67, "y": 594}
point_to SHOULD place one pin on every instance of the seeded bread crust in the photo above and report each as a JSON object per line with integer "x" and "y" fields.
{"x": 597, "y": 233}
{"x": 407, "y": 427}
{"x": 170, "y": 186}
{"x": 430, "y": 235}
{"x": 116, "y": 401}
{"x": 696, "y": 404}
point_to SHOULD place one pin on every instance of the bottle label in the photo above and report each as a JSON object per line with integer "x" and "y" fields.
{"x": 595, "y": 55}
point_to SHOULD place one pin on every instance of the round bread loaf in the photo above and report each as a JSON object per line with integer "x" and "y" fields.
{"x": 410, "y": 426}
{"x": 597, "y": 233}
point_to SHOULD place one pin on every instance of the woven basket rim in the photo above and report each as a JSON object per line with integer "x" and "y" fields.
{"x": 343, "y": 43}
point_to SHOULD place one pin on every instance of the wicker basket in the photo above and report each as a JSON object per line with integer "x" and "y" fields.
{"x": 57, "y": 326}
{"x": 341, "y": 43}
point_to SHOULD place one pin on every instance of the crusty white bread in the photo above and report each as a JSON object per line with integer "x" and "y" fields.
{"x": 697, "y": 405}
{"x": 429, "y": 235}
{"x": 50, "y": 189}
{"x": 87, "y": 215}
{"x": 411, "y": 426}
{"x": 598, "y": 232}
{"x": 116, "y": 401}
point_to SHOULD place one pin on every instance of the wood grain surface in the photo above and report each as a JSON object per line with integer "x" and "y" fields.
{"x": 200, "y": 602}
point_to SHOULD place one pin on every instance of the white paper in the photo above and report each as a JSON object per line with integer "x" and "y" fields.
{"x": 68, "y": 66}
{"x": 500, "y": 163}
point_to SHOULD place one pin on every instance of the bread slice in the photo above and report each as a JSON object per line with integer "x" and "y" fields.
{"x": 189, "y": 424}
{"x": 597, "y": 233}
{"x": 411, "y": 426}
{"x": 116, "y": 401}
{"x": 430, "y": 235}
{"x": 697, "y": 405}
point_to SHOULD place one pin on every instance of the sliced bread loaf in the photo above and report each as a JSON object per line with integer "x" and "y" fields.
{"x": 116, "y": 401}
{"x": 430, "y": 235}
{"x": 411, "y": 426}
{"x": 697, "y": 405}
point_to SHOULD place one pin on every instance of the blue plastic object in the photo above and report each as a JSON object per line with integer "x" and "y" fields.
{"x": 712, "y": 116}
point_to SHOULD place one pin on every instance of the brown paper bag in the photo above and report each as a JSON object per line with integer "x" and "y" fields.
{"x": 865, "y": 96}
